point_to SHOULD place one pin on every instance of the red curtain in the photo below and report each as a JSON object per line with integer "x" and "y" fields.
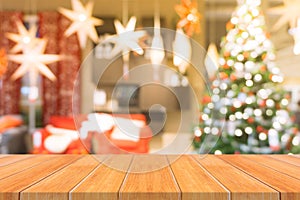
{"x": 10, "y": 90}
{"x": 58, "y": 98}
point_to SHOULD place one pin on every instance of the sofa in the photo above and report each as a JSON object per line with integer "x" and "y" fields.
{"x": 62, "y": 135}
{"x": 13, "y": 135}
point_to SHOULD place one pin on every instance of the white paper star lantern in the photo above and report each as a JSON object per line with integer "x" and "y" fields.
{"x": 182, "y": 51}
{"x": 290, "y": 12}
{"x": 25, "y": 38}
{"x": 34, "y": 61}
{"x": 127, "y": 39}
{"x": 295, "y": 32}
{"x": 82, "y": 22}
{"x": 211, "y": 60}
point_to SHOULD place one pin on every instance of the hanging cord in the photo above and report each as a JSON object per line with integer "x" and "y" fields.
{"x": 124, "y": 11}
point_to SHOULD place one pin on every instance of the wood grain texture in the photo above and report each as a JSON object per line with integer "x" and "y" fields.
{"x": 283, "y": 167}
{"x": 194, "y": 181}
{"x": 105, "y": 181}
{"x": 58, "y": 185}
{"x": 288, "y": 187}
{"x": 13, "y": 185}
{"x": 287, "y": 158}
{"x": 8, "y": 159}
{"x": 156, "y": 181}
{"x": 149, "y": 177}
{"x": 22, "y": 164}
{"x": 241, "y": 185}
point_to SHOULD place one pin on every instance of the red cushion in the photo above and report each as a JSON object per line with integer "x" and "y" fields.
{"x": 9, "y": 121}
{"x": 63, "y": 122}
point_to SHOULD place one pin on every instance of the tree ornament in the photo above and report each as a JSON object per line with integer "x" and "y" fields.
{"x": 189, "y": 16}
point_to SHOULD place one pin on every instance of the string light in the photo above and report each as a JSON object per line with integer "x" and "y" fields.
{"x": 248, "y": 130}
{"x": 262, "y": 136}
{"x": 238, "y": 132}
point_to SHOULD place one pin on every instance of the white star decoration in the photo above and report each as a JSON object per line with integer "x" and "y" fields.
{"x": 24, "y": 39}
{"x": 33, "y": 60}
{"x": 83, "y": 22}
{"x": 290, "y": 12}
{"x": 126, "y": 38}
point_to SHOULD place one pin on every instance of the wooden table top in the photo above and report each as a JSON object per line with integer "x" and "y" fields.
{"x": 89, "y": 177}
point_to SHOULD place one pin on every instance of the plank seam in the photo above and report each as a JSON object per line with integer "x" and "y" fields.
{"x": 174, "y": 178}
{"x": 22, "y": 159}
{"x": 285, "y": 161}
{"x": 281, "y": 161}
{"x": 125, "y": 178}
{"x": 50, "y": 174}
{"x": 210, "y": 175}
{"x": 245, "y": 172}
{"x": 91, "y": 172}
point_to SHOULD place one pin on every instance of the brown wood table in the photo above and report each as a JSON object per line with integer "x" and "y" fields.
{"x": 91, "y": 177}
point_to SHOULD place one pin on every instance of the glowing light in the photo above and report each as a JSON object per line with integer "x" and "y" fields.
{"x": 218, "y": 152}
{"x": 284, "y": 102}
{"x": 296, "y": 141}
{"x": 240, "y": 57}
{"x": 197, "y": 132}
{"x": 270, "y": 103}
{"x": 34, "y": 60}
{"x": 238, "y": 132}
{"x": 249, "y": 100}
{"x": 223, "y": 86}
{"x": 215, "y": 131}
{"x": 269, "y": 112}
{"x": 234, "y": 20}
{"x": 182, "y": 51}
{"x": 24, "y": 39}
{"x": 232, "y": 118}
{"x": 257, "y": 112}
{"x": 238, "y": 115}
{"x": 205, "y": 117}
{"x": 207, "y": 130}
{"x": 237, "y": 104}
{"x": 248, "y": 130}
{"x": 249, "y": 83}
{"x": 210, "y": 105}
{"x": 262, "y": 136}
{"x": 82, "y": 22}
{"x": 257, "y": 78}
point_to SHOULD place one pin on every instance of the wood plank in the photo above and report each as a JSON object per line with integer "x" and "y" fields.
{"x": 12, "y": 185}
{"x": 241, "y": 185}
{"x": 194, "y": 181}
{"x": 288, "y": 187}
{"x": 287, "y": 158}
{"x": 58, "y": 185}
{"x": 21, "y": 165}
{"x": 283, "y": 167}
{"x": 8, "y": 159}
{"x": 105, "y": 181}
{"x": 156, "y": 181}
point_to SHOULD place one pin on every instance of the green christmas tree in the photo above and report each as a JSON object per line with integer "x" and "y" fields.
{"x": 246, "y": 111}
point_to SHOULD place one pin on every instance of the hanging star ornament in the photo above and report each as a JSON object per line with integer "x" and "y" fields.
{"x": 290, "y": 12}
{"x": 189, "y": 16}
{"x": 25, "y": 38}
{"x": 126, "y": 38}
{"x": 34, "y": 61}
{"x": 3, "y": 62}
{"x": 82, "y": 22}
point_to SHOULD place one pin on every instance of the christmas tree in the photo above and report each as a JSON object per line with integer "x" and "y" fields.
{"x": 245, "y": 110}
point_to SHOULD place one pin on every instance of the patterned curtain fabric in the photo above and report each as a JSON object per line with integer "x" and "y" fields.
{"x": 58, "y": 96}
{"x": 10, "y": 90}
